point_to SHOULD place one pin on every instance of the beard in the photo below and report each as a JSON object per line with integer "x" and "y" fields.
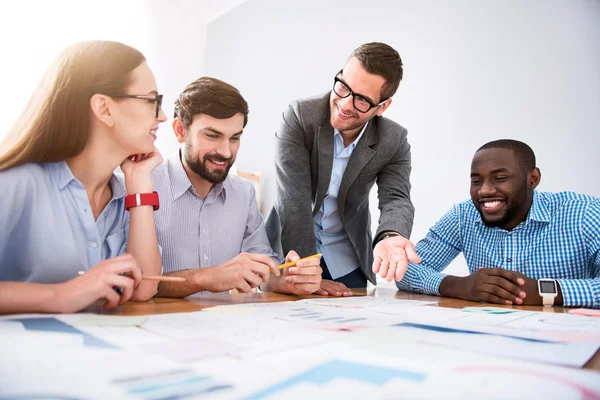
{"x": 200, "y": 166}
{"x": 502, "y": 220}
{"x": 512, "y": 210}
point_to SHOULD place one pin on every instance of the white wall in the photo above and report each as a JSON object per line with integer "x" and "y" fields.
{"x": 171, "y": 34}
{"x": 32, "y": 33}
{"x": 475, "y": 71}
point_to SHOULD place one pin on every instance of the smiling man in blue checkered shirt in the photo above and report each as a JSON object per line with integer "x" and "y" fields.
{"x": 512, "y": 235}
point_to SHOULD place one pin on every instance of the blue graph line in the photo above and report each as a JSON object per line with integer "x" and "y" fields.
{"x": 335, "y": 369}
{"x": 54, "y": 325}
{"x": 452, "y": 330}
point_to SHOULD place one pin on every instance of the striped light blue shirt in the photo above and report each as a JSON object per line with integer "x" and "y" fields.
{"x": 332, "y": 240}
{"x": 199, "y": 233}
{"x": 47, "y": 229}
{"x": 560, "y": 239}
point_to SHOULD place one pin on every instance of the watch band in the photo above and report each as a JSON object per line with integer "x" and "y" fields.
{"x": 142, "y": 199}
{"x": 385, "y": 236}
{"x": 548, "y": 300}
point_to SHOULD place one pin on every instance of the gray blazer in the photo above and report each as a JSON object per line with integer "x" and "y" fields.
{"x": 303, "y": 162}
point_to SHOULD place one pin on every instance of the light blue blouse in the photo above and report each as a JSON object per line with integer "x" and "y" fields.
{"x": 47, "y": 229}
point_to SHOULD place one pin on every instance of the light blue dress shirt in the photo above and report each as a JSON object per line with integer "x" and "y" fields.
{"x": 332, "y": 240}
{"x": 197, "y": 233}
{"x": 560, "y": 239}
{"x": 47, "y": 228}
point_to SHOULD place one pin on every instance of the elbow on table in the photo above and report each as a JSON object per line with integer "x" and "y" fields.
{"x": 145, "y": 291}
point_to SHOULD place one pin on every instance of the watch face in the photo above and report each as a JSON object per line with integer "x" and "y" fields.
{"x": 548, "y": 287}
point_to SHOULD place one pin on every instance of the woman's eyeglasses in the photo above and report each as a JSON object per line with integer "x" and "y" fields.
{"x": 156, "y": 98}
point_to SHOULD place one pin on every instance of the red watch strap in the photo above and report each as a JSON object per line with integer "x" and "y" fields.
{"x": 142, "y": 199}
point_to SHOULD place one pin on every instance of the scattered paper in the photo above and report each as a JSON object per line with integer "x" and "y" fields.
{"x": 28, "y": 341}
{"x": 257, "y": 333}
{"x": 109, "y": 320}
{"x": 344, "y": 372}
{"x": 362, "y": 376}
{"x": 57, "y": 326}
{"x": 11, "y": 327}
{"x": 342, "y": 347}
{"x": 588, "y": 312}
{"x": 489, "y": 310}
{"x": 187, "y": 351}
{"x": 364, "y": 302}
{"x": 557, "y": 322}
{"x": 234, "y": 309}
{"x": 567, "y": 354}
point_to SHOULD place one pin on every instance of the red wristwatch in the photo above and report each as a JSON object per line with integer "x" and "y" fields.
{"x": 142, "y": 199}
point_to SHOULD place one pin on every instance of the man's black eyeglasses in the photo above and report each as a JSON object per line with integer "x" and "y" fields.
{"x": 360, "y": 102}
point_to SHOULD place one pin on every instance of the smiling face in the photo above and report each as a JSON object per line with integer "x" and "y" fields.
{"x": 344, "y": 117}
{"x": 211, "y": 145}
{"x": 136, "y": 120}
{"x": 501, "y": 189}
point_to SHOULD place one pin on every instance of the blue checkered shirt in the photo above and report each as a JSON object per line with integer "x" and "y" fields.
{"x": 560, "y": 239}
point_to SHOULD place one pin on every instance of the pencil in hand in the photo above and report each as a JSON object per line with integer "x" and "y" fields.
{"x": 156, "y": 278}
{"x": 164, "y": 278}
{"x": 292, "y": 263}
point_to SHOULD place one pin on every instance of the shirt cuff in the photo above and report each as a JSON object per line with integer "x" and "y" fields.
{"x": 579, "y": 292}
{"x": 432, "y": 283}
{"x": 420, "y": 280}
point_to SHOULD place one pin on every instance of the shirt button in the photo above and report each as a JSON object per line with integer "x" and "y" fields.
{"x": 205, "y": 258}
{"x": 203, "y": 230}
{"x": 94, "y": 245}
{"x": 508, "y": 259}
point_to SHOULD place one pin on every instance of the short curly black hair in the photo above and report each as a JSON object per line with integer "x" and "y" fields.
{"x": 523, "y": 153}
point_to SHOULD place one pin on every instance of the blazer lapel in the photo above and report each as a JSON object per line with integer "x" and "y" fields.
{"x": 361, "y": 155}
{"x": 325, "y": 137}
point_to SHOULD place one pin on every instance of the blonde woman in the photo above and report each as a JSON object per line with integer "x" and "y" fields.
{"x": 62, "y": 210}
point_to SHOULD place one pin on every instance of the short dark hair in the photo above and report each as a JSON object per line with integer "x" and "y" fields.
{"x": 381, "y": 59}
{"x": 209, "y": 96}
{"x": 523, "y": 153}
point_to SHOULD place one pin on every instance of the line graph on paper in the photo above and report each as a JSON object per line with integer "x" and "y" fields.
{"x": 558, "y": 323}
{"x": 311, "y": 315}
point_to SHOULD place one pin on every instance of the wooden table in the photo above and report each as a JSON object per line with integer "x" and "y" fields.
{"x": 199, "y": 302}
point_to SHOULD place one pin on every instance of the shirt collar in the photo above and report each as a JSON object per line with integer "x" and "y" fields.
{"x": 62, "y": 175}
{"x": 537, "y": 212}
{"x": 118, "y": 187}
{"x": 180, "y": 182}
{"x": 340, "y": 141}
{"x": 219, "y": 189}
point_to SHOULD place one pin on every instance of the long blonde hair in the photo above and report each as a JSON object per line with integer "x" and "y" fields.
{"x": 55, "y": 124}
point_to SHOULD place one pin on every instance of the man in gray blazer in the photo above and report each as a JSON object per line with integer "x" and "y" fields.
{"x": 331, "y": 149}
